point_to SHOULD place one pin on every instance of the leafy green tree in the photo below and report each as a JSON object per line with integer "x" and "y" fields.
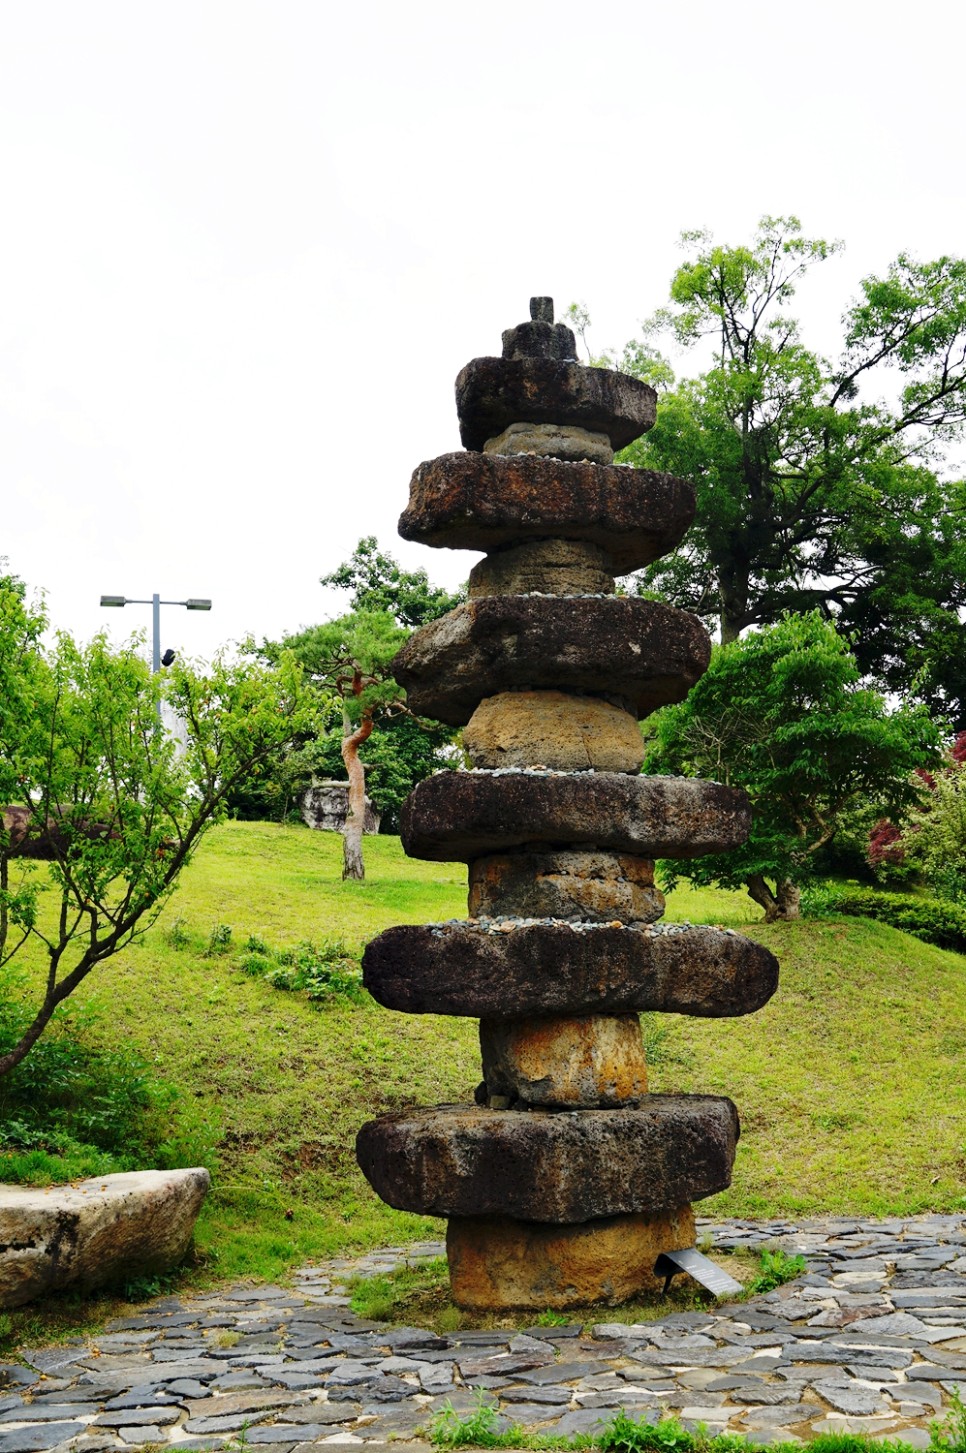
{"x": 102, "y": 808}
{"x": 780, "y": 713}
{"x": 352, "y": 657}
{"x": 818, "y": 482}
{"x": 349, "y": 661}
{"x": 378, "y": 582}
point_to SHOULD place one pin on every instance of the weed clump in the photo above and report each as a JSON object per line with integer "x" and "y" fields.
{"x": 948, "y": 1434}
{"x": 483, "y": 1427}
{"x": 323, "y": 971}
{"x": 776, "y": 1268}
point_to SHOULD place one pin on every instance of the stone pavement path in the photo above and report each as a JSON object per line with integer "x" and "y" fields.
{"x": 872, "y": 1338}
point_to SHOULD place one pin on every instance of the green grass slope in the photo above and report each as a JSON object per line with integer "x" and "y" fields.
{"x": 851, "y": 1084}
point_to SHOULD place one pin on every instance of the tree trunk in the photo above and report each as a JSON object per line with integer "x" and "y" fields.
{"x": 781, "y": 906}
{"x": 759, "y": 891}
{"x": 789, "y": 900}
{"x": 21, "y": 1049}
{"x": 733, "y": 590}
{"x": 352, "y": 863}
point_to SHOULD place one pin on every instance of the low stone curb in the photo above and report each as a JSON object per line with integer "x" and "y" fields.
{"x": 871, "y": 1339}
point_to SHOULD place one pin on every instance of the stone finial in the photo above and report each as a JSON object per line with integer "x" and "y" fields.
{"x": 540, "y": 336}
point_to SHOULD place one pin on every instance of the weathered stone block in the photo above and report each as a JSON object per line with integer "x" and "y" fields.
{"x": 494, "y": 392}
{"x": 553, "y": 729}
{"x": 639, "y": 651}
{"x": 492, "y": 501}
{"x": 587, "y": 1061}
{"x": 557, "y": 1166}
{"x": 94, "y": 1232}
{"x": 458, "y": 816}
{"x": 325, "y": 807}
{"x": 586, "y": 887}
{"x": 497, "y": 1264}
{"x": 547, "y": 567}
{"x": 544, "y": 969}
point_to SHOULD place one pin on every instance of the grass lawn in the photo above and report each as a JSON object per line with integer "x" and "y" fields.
{"x": 851, "y": 1083}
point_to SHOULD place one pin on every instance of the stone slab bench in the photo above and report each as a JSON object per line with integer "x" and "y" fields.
{"x": 94, "y": 1232}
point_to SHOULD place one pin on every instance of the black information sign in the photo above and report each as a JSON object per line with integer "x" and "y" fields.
{"x": 718, "y": 1282}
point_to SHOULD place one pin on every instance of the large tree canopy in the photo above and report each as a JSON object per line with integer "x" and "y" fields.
{"x": 819, "y": 482}
{"x": 781, "y": 714}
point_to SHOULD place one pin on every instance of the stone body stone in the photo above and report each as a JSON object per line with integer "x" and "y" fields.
{"x": 497, "y": 1263}
{"x": 638, "y": 651}
{"x": 553, "y": 729}
{"x": 587, "y": 1061}
{"x": 546, "y": 969}
{"x": 494, "y": 392}
{"x": 492, "y": 501}
{"x": 458, "y": 816}
{"x": 552, "y": 441}
{"x": 94, "y": 1232}
{"x": 589, "y": 887}
{"x": 546, "y": 567}
{"x": 556, "y": 1166}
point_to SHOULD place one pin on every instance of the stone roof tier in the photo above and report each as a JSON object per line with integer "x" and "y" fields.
{"x": 459, "y": 816}
{"x": 572, "y": 1166}
{"x": 492, "y": 501}
{"x": 638, "y": 652}
{"x": 503, "y": 971}
{"x": 492, "y": 393}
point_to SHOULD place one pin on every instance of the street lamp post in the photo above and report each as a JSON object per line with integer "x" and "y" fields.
{"x": 192, "y": 603}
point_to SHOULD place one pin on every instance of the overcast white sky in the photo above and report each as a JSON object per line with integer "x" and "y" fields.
{"x": 245, "y": 248}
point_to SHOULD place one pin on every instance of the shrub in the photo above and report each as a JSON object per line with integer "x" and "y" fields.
{"x": 72, "y": 1109}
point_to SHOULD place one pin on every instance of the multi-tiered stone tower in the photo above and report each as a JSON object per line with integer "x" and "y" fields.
{"x": 566, "y": 1179}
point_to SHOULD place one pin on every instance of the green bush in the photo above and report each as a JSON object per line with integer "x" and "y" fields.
{"x": 934, "y": 920}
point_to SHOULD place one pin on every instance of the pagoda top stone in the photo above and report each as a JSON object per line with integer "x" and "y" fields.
{"x": 541, "y": 337}
{"x": 539, "y": 381}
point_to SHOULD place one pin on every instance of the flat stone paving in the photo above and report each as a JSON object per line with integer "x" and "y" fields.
{"x": 872, "y": 1338}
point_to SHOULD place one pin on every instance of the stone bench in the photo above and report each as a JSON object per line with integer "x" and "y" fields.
{"x": 94, "y": 1232}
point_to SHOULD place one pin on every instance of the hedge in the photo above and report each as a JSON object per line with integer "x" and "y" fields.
{"x": 935, "y": 920}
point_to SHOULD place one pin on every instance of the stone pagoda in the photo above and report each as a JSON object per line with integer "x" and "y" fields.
{"x": 566, "y": 1179}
